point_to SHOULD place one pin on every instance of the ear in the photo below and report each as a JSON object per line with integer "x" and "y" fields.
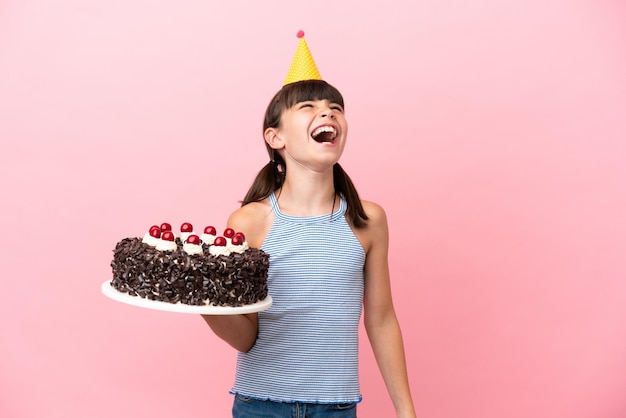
{"x": 272, "y": 138}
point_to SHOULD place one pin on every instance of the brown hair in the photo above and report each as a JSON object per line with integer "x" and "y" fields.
{"x": 272, "y": 175}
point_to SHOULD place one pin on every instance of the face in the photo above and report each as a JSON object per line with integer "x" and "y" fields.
{"x": 311, "y": 133}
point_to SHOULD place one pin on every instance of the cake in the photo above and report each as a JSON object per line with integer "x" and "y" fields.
{"x": 191, "y": 269}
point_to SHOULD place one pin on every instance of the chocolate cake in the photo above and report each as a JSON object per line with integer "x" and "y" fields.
{"x": 219, "y": 271}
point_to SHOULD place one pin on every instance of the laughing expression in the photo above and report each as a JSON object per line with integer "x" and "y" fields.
{"x": 313, "y": 133}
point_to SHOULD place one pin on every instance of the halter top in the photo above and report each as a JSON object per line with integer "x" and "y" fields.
{"x": 307, "y": 344}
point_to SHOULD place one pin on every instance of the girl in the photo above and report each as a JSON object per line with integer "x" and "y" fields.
{"x": 328, "y": 262}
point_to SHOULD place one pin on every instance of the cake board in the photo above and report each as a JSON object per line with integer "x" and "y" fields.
{"x": 116, "y": 295}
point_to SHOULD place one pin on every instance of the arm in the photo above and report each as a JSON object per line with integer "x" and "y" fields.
{"x": 240, "y": 331}
{"x": 380, "y": 318}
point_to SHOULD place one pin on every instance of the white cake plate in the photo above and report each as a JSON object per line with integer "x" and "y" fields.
{"x": 114, "y": 294}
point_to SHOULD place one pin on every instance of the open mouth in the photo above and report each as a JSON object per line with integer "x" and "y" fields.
{"x": 325, "y": 134}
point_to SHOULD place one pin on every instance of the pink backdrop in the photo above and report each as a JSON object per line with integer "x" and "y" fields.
{"x": 492, "y": 131}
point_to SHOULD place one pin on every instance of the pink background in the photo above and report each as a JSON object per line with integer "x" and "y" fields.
{"x": 492, "y": 131}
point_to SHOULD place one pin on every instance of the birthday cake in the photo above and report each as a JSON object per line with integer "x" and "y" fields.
{"x": 192, "y": 269}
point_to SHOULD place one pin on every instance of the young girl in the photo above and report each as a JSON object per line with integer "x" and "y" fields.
{"x": 328, "y": 262}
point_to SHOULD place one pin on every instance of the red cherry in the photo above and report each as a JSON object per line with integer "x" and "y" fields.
{"x": 220, "y": 242}
{"x": 193, "y": 239}
{"x": 210, "y": 230}
{"x": 229, "y": 232}
{"x": 155, "y": 232}
{"x": 238, "y": 239}
{"x": 186, "y": 227}
{"x": 167, "y": 236}
{"x": 166, "y": 227}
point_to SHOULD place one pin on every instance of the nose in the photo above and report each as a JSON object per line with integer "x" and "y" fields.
{"x": 328, "y": 112}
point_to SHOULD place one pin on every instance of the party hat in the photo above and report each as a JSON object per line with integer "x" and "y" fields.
{"x": 302, "y": 67}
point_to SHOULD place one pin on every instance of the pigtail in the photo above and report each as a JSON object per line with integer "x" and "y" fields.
{"x": 344, "y": 186}
{"x": 269, "y": 179}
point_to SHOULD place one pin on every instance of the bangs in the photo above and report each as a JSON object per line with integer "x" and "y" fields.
{"x": 300, "y": 91}
{"x": 303, "y": 91}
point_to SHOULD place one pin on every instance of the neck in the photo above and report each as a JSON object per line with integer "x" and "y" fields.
{"x": 307, "y": 195}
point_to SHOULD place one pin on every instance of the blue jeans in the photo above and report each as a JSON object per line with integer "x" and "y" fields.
{"x": 245, "y": 407}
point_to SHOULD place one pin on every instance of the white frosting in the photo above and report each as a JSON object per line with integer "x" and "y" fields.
{"x": 219, "y": 250}
{"x": 192, "y": 248}
{"x": 150, "y": 240}
{"x": 236, "y": 248}
{"x": 185, "y": 235}
{"x": 228, "y": 248}
{"x": 164, "y": 245}
{"x": 207, "y": 239}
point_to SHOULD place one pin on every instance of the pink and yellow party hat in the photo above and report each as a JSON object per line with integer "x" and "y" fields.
{"x": 302, "y": 66}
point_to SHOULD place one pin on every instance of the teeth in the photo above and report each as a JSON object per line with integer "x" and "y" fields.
{"x": 322, "y": 129}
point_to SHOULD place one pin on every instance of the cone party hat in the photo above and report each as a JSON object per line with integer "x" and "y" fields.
{"x": 302, "y": 67}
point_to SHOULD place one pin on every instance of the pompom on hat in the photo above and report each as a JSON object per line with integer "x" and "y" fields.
{"x": 302, "y": 66}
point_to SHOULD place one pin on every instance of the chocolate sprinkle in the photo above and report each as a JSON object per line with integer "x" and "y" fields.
{"x": 177, "y": 277}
